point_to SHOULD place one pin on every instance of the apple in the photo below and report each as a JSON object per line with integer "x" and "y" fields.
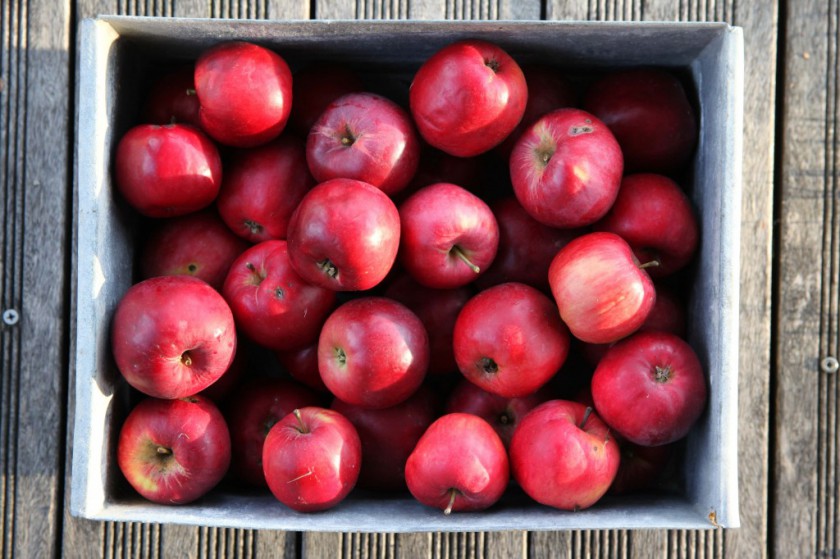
{"x": 566, "y": 169}
{"x": 252, "y": 411}
{"x": 302, "y": 365}
{"x": 312, "y": 458}
{"x": 563, "y": 456}
{"x": 172, "y": 336}
{"x": 641, "y": 467}
{"x": 509, "y": 340}
{"x": 197, "y": 244}
{"x": 172, "y": 99}
{"x": 468, "y": 97}
{"x": 649, "y": 112}
{"x": 262, "y": 187}
{"x": 314, "y": 88}
{"x": 173, "y": 452}
{"x": 344, "y": 235}
{"x": 655, "y": 217}
{"x": 220, "y": 390}
{"x": 167, "y": 171}
{"x": 438, "y": 166}
{"x": 650, "y": 388}
{"x": 366, "y": 137}
{"x": 602, "y": 292}
{"x": 449, "y": 236}
{"x": 244, "y": 93}
{"x": 271, "y": 303}
{"x": 459, "y": 464}
{"x": 388, "y": 437}
{"x": 373, "y": 352}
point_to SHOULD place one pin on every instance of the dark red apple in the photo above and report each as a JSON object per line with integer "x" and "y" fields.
{"x": 438, "y": 166}
{"x": 311, "y": 459}
{"x": 220, "y": 390}
{"x": 172, "y": 336}
{"x": 302, "y": 365}
{"x": 173, "y": 452}
{"x": 373, "y": 352}
{"x": 468, "y": 97}
{"x": 262, "y": 187}
{"x": 650, "y": 388}
{"x": 344, "y": 235}
{"x": 601, "y": 291}
{"x": 244, "y": 92}
{"x": 167, "y": 171}
{"x": 366, "y": 137}
{"x": 641, "y": 467}
{"x": 449, "y": 236}
{"x": 563, "y": 456}
{"x": 314, "y": 88}
{"x": 271, "y": 303}
{"x": 566, "y": 169}
{"x": 459, "y": 464}
{"x": 172, "y": 99}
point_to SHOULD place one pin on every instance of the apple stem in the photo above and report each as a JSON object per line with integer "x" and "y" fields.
{"x": 191, "y": 91}
{"x": 652, "y": 264}
{"x": 460, "y": 254}
{"x": 452, "y": 494}
{"x": 163, "y": 451}
{"x": 586, "y": 415}
{"x": 303, "y": 428}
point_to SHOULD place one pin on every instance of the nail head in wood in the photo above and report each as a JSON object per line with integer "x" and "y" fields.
{"x": 830, "y": 364}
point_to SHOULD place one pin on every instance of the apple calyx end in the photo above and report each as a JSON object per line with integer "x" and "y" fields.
{"x": 586, "y": 415}
{"x": 253, "y": 227}
{"x": 662, "y": 374}
{"x": 457, "y": 251}
{"x": 493, "y": 64}
{"x": 348, "y": 138}
{"x": 340, "y": 356}
{"x": 488, "y": 365}
{"x": 301, "y": 426}
{"x": 328, "y": 268}
{"x": 452, "y": 494}
{"x": 186, "y": 359}
{"x": 192, "y": 267}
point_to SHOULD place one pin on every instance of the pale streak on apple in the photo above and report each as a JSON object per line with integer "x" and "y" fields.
{"x": 308, "y": 473}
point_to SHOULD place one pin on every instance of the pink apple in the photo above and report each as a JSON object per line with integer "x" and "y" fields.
{"x": 563, "y": 456}
{"x": 311, "y": 459}
{"x": 172, "y": 99}
{"x": 173, "y": 452}
{"x": 468, "y": 97}
{"x": 314, "y": 88}
{"x": 373, "y": 352}
{"x": 172, "y": 336}
{"x": 566, "y": 169}
{"x": 167, "y": 171}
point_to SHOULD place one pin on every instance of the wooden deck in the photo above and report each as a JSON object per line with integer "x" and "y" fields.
{"x": 790, "y": 291}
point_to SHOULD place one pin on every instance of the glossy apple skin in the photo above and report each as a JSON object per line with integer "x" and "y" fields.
{"x": 302, "y": 365}
{"x": 438, "y": 221}
{"x": 649, "y": 113}
{"x": 388, "y": 437}
{"x": 601, "y": 292}
{"x": 197, "y": 244}
{"x": 566, "y": 169}
{"x": 503, "y": 414}
{"x": 167, "y": 171}
{"x": 244, "y": 92}
{"x": 253, "y": 410}
{"x": 458, "y": 452}
{"x": 373, "y": 352}
{"x": 344, "y": 235}
{"x": 558, "y": 463}
{"x": 462, "y": 105}
{"x": 314, "y": 88}
{"x": 271, "y": 303}
{"x": 174, "y": 451}
{"x": 526, "y": 247}
{"x": 509, "y": 340}
{"x": 172, "y": 99}
{"x": 172, "y": 336}
{"x": 366, "y": 137}
{"x": 438, "y": 310}
{"x": 650, "y": 388}
{"x": 262, "y": 187}
{"x": 656, "y": 218}
{"x": 312, "y": 463}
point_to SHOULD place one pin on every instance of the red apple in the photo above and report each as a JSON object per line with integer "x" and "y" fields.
{"x": 438, "y": 166}
{"x": 601, "y": 291}
{"x": 650, "y": 388}
{"x": 449, "y": 236}
{"x": 468, "y": 97}
{"x": 220, "y": 390}
{"x": 244, "y": 92}
{"x": 655, "y": 217}
{"x": 509, "y": 340}
{"x": 344, "y": 235}
{"x": 388, "y": 437}
{"x": 167, "y": 171}
{"x": 459, "y": 464}
{"x": 563, "y": 456}
{"x": 262, "y": 187}
{"x": 253, "y": 411}
{"x": 650, "y": 114}
{"x": 311, "y": 459}
{"x": 302, "y": 365}
{"x": 172, "y": 99}
{"x": 373, "y": 352}
{"x": 366, "y": 137}
{"x": 172, "y": 336}
{"x": 314, "y": 88}
{"x": 197, "y": 244}
{"x": 641, "y": 467}
{"x": 271, "y": 303}
{"x": 174, "y": 451}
